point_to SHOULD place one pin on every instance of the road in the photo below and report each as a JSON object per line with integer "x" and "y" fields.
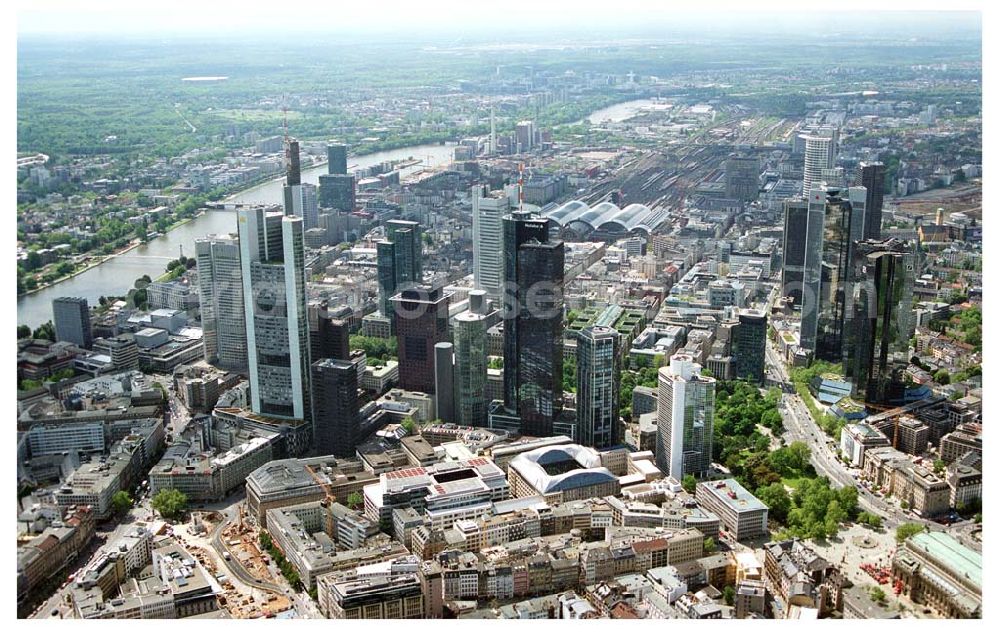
{"x": 800, "y": 425}
{"x": 301, "y": 602}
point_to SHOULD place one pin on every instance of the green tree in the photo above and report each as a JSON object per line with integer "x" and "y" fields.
{"x": 709, "y": 544}
{"x": 569, "y": 374}
{"x": 776, "y": 497}
{"x": 728, "y": 595}
{"x": 689, "y": 482}
{"x": 33, "y": 262}
{"x": 409, "y": 425}
{"x": 870, "y": 519}
{"x": 23, "y": 331}
{"x": 354, "y": 500}
{"x": 877, "y": 595}
{"x": 265, "y": 541}
{"x": 45, "y": 331}
{"x": 170, "y": 503}
{"x": 939, "y": 466}
{"x": 908, "y": 529}
{"x": 121, "y": 503}
{"x": 942, "y": 377}
{"x": 380, "y": 348}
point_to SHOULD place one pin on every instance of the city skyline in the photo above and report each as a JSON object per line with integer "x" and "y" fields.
{"x": 450, "y": 311}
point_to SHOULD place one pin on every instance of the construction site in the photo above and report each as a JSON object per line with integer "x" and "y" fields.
{"x": 229, "y": 552}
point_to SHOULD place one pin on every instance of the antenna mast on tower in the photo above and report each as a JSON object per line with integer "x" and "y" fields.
{"x": 520, "y": 187}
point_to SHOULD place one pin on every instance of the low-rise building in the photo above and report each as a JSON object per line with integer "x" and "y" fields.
{"x": 94, "y": 483}
{"x": 282, "y": 483}
{"x": 441, "y": 488}
{"x": 797, "y": 576}
{"x": 906, "y": 433}
{"x": 49, "y": 552}
{"x": 204, "y": 477}
{"x": 740, "y": 512}
{"x": 965, "y": 479}
{"x": 856, "y": 438}
{"x": 561, "y": 473}
{"x": 916, "y": 486}
{"x": 936, "y": 570}
{"x": 396, "y": 596}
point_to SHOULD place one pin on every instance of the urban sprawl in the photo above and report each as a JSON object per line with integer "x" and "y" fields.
{"x": 705, "y": 358}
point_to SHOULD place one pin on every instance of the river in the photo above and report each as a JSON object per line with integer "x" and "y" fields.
{"x": 619, "y": 112}
{"x": 115, "y": 276}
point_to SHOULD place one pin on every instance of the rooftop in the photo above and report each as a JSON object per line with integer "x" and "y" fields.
{"x": 957, "y": 557}
{"x": 572, "y": 466}
{"x": 733, "y": 495}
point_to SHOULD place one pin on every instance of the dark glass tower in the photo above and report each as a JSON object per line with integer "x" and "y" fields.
{"x": 421, "y": 316}
{"x": 71, "y": 316}
{"x": 336, "y": 419}
{"x": 882, "y": 320}
{"x": 328, "y": 337}
{"x": 751, "y": 339}
{"x": 533, "y": 322}
{"x": 337, "y": 192}
{"x": 336, "y": 155}
{"x": 399, "y": 260}
{"x": 742, "y": 178}
{"x": 871, "y": 175}
{"x": 597, "y": 370}
{"x": 293, "y": 171}
{"x": 794, "y": 244}
{"x": 843, "y": 224}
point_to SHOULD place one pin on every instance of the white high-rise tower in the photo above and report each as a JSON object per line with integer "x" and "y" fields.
{"x": 820, "y": 155}
{"x": 487, "y": 240}
{"x": 277, "y": 324}
{"x": 686, "y": 418}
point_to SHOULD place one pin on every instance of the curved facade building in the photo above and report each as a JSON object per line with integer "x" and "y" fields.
{"x": 579, "y": 219}
{"x": 561, "y": 473}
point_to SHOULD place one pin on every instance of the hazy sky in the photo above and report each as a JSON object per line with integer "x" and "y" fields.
{"x": 426, "y": 16}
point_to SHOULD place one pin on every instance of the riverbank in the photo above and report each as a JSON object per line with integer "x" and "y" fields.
{"x": 131, "y": 246}
{"x": 135, "y": 243}
{"x": 320, "y": 164}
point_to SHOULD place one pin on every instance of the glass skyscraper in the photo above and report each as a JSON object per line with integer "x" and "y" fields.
{"x": 71, "y": 317}
{"x": 277, "y": 324}
{"x": 685, "y": 418}
{"x": 336, "y": 156}
{"x": 399, "y": 261}
{"x": 421, "y": 319}
{"x": 871, "y": 175}
{"x": 843, "y": 225}
{"x": 533, "y": 323}
{"x": 336, "y": 419}
{"x": 751, "y": 340}
{"x": 470, "y": 369}
{"x": 220, "y": 287}
{"x": 597, "y": 370}
{"x": 882, "y": 320}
